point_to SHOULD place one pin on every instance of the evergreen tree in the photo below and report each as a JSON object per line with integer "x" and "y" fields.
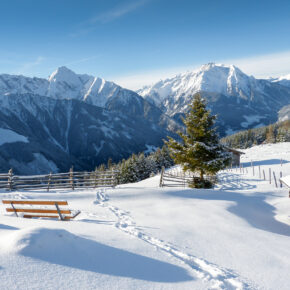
{"x": 200, "y": 150}
{"x": 270, "y": 135}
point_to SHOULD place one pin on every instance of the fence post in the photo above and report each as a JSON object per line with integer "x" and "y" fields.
{"x": 49, "y": 181}
{"x": 71, "y": 178}
{"x": 280, "y": 178}
{"x": 275, "y": 179}
{"x": 115, "y": 182}
{"x": 270, "y": 175}
{"x": 264, "y": 174}
{"x": 161, "y": 177}
{"x": 10, "y": 180}
{"x": 95, "y": 179}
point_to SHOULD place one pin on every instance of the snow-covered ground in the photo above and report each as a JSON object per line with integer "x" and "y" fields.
{"x": 140, "y": 236}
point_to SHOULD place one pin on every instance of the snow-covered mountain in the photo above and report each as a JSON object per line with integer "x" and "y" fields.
{"x": 51, "y": 124}
{"x": 283, "y": 80}
{"x": 65, "y": 84}
{"x": 241, "y": 101}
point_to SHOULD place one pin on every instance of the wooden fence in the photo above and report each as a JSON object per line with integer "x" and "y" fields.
{"x": 178, "y": 178}
{"x": 67, "y": 180}
{"x": 258, "y": 171}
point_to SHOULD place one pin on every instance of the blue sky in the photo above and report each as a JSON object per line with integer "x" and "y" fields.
{"x": 134, "y": 42}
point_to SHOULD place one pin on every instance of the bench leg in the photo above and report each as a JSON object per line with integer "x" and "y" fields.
{"x": 76, "y": 214}
{"x": 14, "y": 209}
{"x": 59, "y": 213}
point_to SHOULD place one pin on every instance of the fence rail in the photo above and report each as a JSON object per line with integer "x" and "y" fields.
{"x": 178, "y": 178}
{"x": 69, "y": 180}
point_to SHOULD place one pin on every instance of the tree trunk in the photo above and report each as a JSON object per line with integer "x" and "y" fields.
{"x": 201, "y": 175}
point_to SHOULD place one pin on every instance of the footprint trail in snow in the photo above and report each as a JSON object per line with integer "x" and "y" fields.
{"x": 218, "y": 277}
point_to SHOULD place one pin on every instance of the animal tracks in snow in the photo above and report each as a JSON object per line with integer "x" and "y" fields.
{"x": 218, "y": 277}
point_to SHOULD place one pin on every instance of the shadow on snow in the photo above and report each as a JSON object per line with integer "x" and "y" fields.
{"x": 64, "y": 248}
{"x": 252, "y": 208}
{"x": 265, "y": 162}
{"x": 5, "y": 227}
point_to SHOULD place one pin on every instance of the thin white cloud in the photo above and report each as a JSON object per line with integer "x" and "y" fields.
{"x": 26, "y": 67}
{"x": 260, "y": 66}
{"x": 117, "y": 12}
{"x": 107, "y": 16}
{"x": 85, "y": 59}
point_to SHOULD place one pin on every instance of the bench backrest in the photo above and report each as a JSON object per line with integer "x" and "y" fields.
{"x": 63, "y": 214}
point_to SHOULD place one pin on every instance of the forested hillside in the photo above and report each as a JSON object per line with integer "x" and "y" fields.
{"x": 140, "y": 166}
{"x": 278, "y": 132}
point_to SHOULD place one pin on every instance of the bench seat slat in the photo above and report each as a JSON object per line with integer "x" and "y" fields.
{"x": 32, "y": 210}
{"x": 47, "y": 216}
{"x": 36, "y": 202}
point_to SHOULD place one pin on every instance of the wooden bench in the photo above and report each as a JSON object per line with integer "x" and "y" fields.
{"x": 51, "y": 210}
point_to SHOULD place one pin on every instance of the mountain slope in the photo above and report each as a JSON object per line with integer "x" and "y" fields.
{"x": 65, "y": 84}
{"x": 240, "y": 101}
{"x": 53, "y": 134}
{"x": 283, "y": 80}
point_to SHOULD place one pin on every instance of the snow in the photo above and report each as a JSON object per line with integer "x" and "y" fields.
{"x": 282, "y": 80}
{"x": 251, "y": 119}
{"x": 63, "y": 83}
{"x": 150, "y": 149}
{"x": 9, "y": 136}
{"x": 213, "y": 78}
{"x": 140, "y": 236}
{"x": 100, "y": 147}
{"x": 230, "y": 131}
{"x": 286, "y": 180}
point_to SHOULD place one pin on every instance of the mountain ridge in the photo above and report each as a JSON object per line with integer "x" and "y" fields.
{"x": 241, "y": 101}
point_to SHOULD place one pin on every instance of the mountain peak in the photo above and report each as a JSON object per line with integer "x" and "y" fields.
{"x": 63, "y": 74}
{"x": 218, "y": 66}
{"x": 211, "y": 77}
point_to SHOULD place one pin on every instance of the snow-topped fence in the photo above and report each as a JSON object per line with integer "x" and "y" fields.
{"x": 175, "y": 177}
{"x": 286, "y": 180}
{"x": 266, "y": 174}
{"x": 67, "y": 180}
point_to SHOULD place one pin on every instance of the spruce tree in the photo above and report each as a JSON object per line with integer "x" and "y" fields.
{"x": 200, "y": 150}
